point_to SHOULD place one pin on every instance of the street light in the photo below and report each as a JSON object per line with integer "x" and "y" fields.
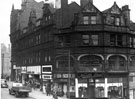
{"x": 69, "y": 74}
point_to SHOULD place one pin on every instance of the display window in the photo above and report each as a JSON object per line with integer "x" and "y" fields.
{"x": 103, "y": 87}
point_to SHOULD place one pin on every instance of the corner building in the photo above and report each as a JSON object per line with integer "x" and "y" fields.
{"x": 86, "y": 53}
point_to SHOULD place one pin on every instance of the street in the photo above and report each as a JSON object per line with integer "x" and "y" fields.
{"x": 35, "y": 94}
{"x": 5, "y": 95}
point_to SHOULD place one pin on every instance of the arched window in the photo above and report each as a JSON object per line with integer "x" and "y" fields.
{"x": 132, "y": 63}
{"x": 117, "y": 63}
{"x": 91, "y": 62}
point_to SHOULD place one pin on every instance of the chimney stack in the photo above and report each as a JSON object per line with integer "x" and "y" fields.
{"x": 84, "y": 2}
{"x": 126, "y": 12}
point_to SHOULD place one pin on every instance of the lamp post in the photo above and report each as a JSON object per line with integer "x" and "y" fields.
{"x": 69, "y": 74}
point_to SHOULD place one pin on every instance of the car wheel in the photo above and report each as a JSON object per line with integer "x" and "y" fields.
{"x": 27, "y": 95}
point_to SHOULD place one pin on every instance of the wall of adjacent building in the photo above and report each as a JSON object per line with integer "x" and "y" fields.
{"x": 5, "y": 60}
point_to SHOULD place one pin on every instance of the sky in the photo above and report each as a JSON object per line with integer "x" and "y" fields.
{"x": 6, "y": 5}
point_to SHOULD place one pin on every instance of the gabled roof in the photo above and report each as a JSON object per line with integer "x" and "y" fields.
{"x": 89, "y": 7}
{"x": 72, "y": 8}
{"x": 114, "y": 9}
{"x": 48, "y": 9}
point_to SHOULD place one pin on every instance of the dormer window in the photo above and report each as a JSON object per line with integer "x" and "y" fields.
{"x": 89, "y": 19}
{"x": 117, "y": 21}
{"x": 85, "y": 20}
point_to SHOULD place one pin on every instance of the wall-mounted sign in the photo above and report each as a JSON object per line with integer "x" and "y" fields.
{"x": 46, "y": 76}
{"x": 34, "y": 69}
{"x": 14, "y": 66}
{"x": 23, "y": 69}
{"x": 30, "y": 72}
{"x": 47, "y": 69}
{"x": 89, "y": 75}
{"x": 64, "y": 76}
{"x": 132, "y": 74}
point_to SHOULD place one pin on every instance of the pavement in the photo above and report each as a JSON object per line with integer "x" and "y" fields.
{"x": 37, "y": 94}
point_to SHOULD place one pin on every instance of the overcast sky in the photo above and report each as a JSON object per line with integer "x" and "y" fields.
{"x": 6, "y": 5}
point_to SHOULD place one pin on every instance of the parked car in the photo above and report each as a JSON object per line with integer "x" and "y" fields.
{"x": 18, "y": 89}
{"x": 4, "y": 83}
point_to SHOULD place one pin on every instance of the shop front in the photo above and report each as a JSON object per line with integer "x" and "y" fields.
{"x": 34, "y": 75}
{"x": 132, "y": 85}
{"x": 95, "y": 85}
{"x": 64, "y": 84}
{"x": 23, "y": 73}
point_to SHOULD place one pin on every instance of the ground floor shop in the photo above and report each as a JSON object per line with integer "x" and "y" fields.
{"x": 132, "y": 85}
{"x": 101, "y": 87}
{"x": 64, "y": 84}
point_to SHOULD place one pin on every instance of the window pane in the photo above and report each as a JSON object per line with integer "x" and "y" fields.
{"x": 112, "y": 39}
{"x": 94, "y": 39}
{"x": 134, "y": 42}
{"x": 117, "y": 21}
{"x": 93, "y": 19}
{"x": 130, "y": 41}
{"x": 119, "y": 40}
{"x": 85, "y": 39}
{"x": 85, "y": 20}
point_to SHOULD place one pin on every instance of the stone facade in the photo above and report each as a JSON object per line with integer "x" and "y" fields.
{"x": 79, "y": 46}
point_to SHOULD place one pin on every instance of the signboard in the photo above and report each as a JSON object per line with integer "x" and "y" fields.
{"x": 89, "y": 75}
{"x": 23, "y": 70}
{"x": 46, "y": 76}
{"x": 64, "y": 75}
{"x": 132, "y": 74}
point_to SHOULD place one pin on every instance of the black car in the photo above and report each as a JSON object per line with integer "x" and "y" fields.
{"x": 4, "y": 83}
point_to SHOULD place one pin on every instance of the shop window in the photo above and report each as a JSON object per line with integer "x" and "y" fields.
{"x": 85, "y": 20}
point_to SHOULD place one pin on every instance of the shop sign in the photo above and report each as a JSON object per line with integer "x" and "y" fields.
{"x": 132, "y": 74}
{"x": 47, "y": 76}
{"x": 89, "y": 75}
{"x": 14, "y": 66}
{"x": 64, "y": 75}
{"x": 30, "y": 72}
{"x": 23, "y": 70}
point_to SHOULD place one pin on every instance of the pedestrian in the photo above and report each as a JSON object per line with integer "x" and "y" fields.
{"x": 44, "y": 89}
{"x": 55, "y": 95}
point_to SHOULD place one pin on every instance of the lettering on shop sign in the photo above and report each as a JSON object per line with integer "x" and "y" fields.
{"x": 30, "y": 72}
{"x": 64, "y": 75}
{"x": 89, "y": 75}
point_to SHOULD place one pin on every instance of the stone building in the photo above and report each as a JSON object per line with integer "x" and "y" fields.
{"x": 5, "y": 61}
{"x": 83, "y": 51}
